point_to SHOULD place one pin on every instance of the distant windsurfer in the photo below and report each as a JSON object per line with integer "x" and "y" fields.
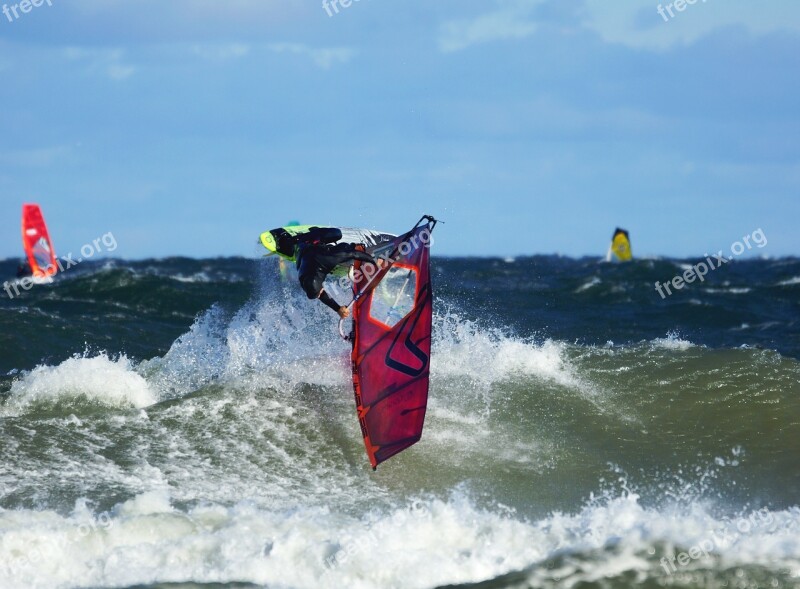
{"x": 24, "y": 270}
{"x": 316, "y": 257}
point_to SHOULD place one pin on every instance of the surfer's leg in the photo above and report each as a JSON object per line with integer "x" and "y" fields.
{"x": 311, "y": 286}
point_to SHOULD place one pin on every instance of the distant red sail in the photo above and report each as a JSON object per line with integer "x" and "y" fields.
{"x": 392, "y": 320}
{"x": 37, "y": 243}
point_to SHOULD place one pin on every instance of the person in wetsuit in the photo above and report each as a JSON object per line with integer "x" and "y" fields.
{"x": 316, "y": 258}
{"x": 24, "y": 270}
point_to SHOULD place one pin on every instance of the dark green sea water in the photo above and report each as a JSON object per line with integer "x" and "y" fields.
{"x": 190, "y": 423}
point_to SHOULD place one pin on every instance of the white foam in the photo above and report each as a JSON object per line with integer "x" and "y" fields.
{"x": 673, "y": 341}
{"x": 790, "y": 282}
{"x": 277, "y": 342}
{"x": 98, "y": 379}
{"x": 594, "y": 281}
{"x": 732, "y": 290}
{"x": 282, "y": 344}
{"x": 462, "y": 349}
{"x": 197, "y": 277}
{"x": 443, "y": 541}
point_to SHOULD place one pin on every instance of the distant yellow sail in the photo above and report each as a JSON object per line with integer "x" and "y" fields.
{"x": 621, "y": 245}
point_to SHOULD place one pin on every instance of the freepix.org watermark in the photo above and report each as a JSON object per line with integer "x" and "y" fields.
{"x": 677, "y": 5}
{"x": 16, "y": 11}
{"x": 332, "y": 6}
{"x": 699, "y": 270}
{"x": 719, "y": 538}
{"x": 384, "y": 258}
{"x": 107, "y": 243}
{"x": 39, "y": 552}
{"x": 365, "y": 541}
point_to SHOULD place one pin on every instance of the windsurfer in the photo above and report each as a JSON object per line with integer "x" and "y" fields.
{"x": 315, "y": 260}
{"x": 23, "y": 270}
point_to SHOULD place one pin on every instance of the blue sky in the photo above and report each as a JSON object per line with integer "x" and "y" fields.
{"x": 530, "y": 126}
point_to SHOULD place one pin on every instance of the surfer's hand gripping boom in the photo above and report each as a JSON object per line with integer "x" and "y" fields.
{"x": 344, "y": 312}
{"x": 383, "y": 263}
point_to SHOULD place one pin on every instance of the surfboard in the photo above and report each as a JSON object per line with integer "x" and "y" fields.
{"x": 281, "y": 241}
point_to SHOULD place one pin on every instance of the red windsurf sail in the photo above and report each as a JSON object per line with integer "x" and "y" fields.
{"x": 36, "y": 241}
{"x": 392, "y": 320}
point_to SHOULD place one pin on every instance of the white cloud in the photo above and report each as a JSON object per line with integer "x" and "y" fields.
{"x": 154, "y": 22}
{"x": 638, "y": 24}
{"x": 118, "y": 71}
{"x": 221, "y": 52}
{"x": 511, "y": 20}
{"x": 635, "y": 23}
{"x": 106, "y": 61}
{"x": 322, "y": 57}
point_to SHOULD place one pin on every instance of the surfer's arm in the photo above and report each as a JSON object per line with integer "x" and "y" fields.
{"x": 364, "y": 257}
{"x": 325, "y": 298}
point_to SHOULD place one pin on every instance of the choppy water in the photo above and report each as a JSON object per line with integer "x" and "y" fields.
{"x": 190, "y": 423}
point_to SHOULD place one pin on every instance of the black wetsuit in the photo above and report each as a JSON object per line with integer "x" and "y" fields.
{"x": 286, "y": 242}
{"x": 24, "y": 270}
{"x": 316, "y": 260}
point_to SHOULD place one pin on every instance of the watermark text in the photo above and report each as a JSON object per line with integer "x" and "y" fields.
{"x": 701, "y": 269}
{"x": 332, "y": 6}
{"x": 385, "y": 257}
{"x": 16, "y": 11}
{"x": 719, "y": 538}
{"x": 677, "y": 5}
{"x": 107, "y": 243}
